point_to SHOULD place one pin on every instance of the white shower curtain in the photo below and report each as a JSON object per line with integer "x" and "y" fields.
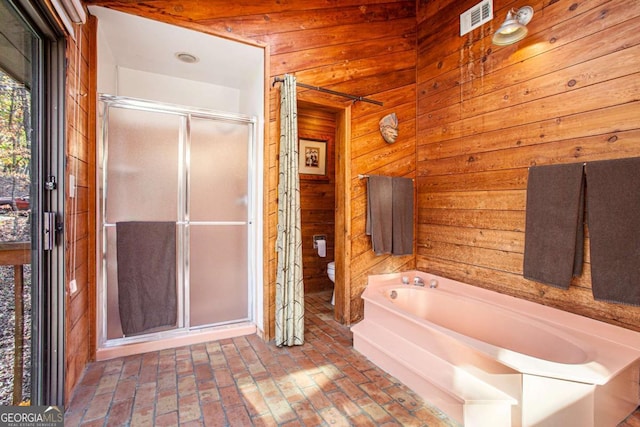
{"x": 289, "y": 284}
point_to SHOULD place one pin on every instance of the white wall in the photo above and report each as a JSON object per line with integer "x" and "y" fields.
{"x": 107, "y": 69}
{"x": 137, "y": 57}
{"x": 175, "y": 90}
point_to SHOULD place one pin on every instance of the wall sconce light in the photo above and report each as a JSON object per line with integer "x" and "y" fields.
{"x": 514, "y": 27}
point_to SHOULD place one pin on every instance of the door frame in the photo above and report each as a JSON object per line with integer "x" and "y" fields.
{"x": 48, "y": 160}
{"x": 342, "y": 247}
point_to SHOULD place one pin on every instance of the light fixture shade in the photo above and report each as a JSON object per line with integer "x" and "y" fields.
{"x": 514, "y": 27}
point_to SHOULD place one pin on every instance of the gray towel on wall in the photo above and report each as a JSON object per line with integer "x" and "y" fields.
{"x": 554, "y": 231}
{"x": 380, "y": 213}
{"x": 613, "y": 200}
{"x": 402, "y": 216}
{"x": 146, "y": 254}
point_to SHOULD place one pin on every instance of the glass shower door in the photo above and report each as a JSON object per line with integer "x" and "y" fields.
{"x": 165, "y": 163}
{"x": 141, "y": 184}
{"x": 218, "y": 222}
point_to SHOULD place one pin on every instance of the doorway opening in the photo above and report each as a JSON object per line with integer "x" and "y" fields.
{"x": 325, "y": 203}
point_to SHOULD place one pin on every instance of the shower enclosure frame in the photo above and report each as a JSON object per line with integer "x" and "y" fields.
{"x": 253, "y": 221}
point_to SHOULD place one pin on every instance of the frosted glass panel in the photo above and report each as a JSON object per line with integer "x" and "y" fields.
{"x": 218, "y": 274}
{"x": 218, "y": 171}
{"x": 142, "y": 166}
{"x": 142, "y": 183}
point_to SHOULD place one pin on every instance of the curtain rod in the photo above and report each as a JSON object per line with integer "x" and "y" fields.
{"x": 332, "y": 92}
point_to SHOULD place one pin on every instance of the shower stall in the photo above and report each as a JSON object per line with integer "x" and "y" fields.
{"x": 163, "y": 163}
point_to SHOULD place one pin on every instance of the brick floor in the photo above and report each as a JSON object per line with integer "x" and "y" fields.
{"x": 247, "y": 382}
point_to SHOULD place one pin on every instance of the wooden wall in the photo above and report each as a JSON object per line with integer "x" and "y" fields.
{"x": 472, "y": 119}
{"x": 317, "y": 199}
{"x": 80, "y": 211}
{"x": 569, "y": 92}
{"x": 366, "y": 48}
{"x": 371, "y": 155}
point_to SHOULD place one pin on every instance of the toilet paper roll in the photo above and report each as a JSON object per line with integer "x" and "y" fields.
{"x": 322, "y": 248}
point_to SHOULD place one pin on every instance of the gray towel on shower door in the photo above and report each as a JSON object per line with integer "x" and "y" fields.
{"x": 380, "y": 213}
{"x": 554, "y": 233}
{"x": 402, "y": 216}
{"x": 146, "y": 255}
{"x": 613, "y": 200}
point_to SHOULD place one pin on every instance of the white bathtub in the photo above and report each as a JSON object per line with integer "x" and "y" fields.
{"x": 488, "y": 359}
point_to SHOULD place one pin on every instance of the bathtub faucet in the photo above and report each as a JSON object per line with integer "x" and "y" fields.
{"x": 418, "y": 281}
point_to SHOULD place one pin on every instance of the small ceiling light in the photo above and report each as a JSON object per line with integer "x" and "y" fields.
{"x": 187, "y": 57}
{"x": 514, "y": 27}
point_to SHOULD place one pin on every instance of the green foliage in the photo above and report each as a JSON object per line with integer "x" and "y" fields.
{"x": 15, "y": 130}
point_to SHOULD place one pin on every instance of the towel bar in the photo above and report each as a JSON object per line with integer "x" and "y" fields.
{"x": 362, "y": 176}
{"x": 583, "y": 164}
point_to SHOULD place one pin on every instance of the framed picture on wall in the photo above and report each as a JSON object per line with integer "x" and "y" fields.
{"x": 312, "y": 158}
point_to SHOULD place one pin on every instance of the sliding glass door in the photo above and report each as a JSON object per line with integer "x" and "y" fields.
{"x": 163, "y": 163}
{"x": 141, "y": 183}
{"x": 218, "y": 222}
{"x": 32, "y": 117}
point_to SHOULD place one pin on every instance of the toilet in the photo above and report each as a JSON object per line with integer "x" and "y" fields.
{"x": 331, "y": 272}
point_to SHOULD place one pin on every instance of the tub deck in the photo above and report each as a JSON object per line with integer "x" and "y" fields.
{"x": 593, "y": 383}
